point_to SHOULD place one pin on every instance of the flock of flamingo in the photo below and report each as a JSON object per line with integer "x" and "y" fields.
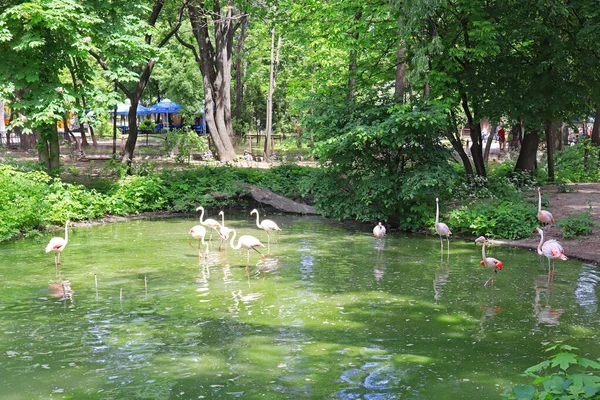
{"x": 58, "y": 244}
{"x": 552, "y": 249}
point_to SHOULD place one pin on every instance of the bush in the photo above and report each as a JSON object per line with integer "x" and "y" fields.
{"x": 555, "y": 377}
{"x": 495, "y": 218}
{"x": 569, "y": 164}
{"x": 578, "y": 224}
{"x": 137, "y": 194}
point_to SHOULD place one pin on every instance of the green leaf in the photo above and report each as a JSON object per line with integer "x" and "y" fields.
{"x": 564, "y": 360}
{"x": 524, "y": 391}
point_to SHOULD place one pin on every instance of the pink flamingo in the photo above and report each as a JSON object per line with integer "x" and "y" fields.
{"x": 441, "y": 228}
{"x": 379, "y": 231}
{"x": 223, "y": 230}
{"x": 545, "y": 217}
{"x": 199, "y": 232}
{"x": 211, "y": 223}
{"x": 249, "y": 243}
{"x": 490, "y": 262}
{"x": 267, "y": 225}
{"x": 551, "y": 249}
{"x": 58, "y": 244}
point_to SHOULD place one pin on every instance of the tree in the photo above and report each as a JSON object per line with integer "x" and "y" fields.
{"x": 129, "y": 55}
{"x": 213, "y": 53}
{"x": 272, "y": 83}
{"x": 37, "y": 42}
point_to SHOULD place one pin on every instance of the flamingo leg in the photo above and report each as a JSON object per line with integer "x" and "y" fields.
{"x": 491, "y": 279}
{"x": 277, "y": 237}
{"x": 441, "y": 244}
{"x": 261, "y": 254}
{"x": 268, "y": 237}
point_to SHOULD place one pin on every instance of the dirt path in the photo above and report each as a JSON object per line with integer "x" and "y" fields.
{"x": 562, "y": 205}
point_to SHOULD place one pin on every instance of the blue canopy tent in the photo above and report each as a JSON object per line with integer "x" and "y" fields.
{"x": 165, "y": 107}
{"x": 123, "y": 110}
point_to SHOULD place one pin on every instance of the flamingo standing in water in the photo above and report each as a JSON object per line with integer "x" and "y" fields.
{"x": 441, "y": 228}
{"x": 249, "y": 243}
{"x": 199, "y": 232}
{"x": 551, "y": 249}
{"x": 489, "y": 262}
{"x": 223, "y": 230}
{"x": 267, "y": 225}
{"x": 545, "y": 217}
{"x": 58, "y": 244}
{"x": 211, "y": 223}
{"x": 379, "y": 231}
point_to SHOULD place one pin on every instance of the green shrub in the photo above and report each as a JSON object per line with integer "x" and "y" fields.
{"x": 495, "y": 218}
{"x": 569, "y": 164}
{"x": 137, "y": 194}
{"x": 564, "y": 375}
{"x": 578, "y": 224}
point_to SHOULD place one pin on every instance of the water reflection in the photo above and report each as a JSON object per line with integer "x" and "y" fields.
{"x": 62, "y": 289}
{"x": 245, "y": 299}
{"x": 376, "y": 378}
{"x": 585, "y": 294}
{"x": 544, "y": 312}
{"x": 488, "y": 312}
{"x": 379, "y": 268}
{"x": 440, "y": 279}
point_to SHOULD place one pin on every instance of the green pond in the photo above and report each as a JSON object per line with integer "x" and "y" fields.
{"x": 332, "y": 313}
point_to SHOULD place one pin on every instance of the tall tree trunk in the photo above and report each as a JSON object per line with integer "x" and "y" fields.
{"x": 353, "y": 62}
{"x": 272, "y": 84}
{"x": 550, "y": 150}
{"x": 527, "y": 156}
{"x": 454, "y": 136}
{"x": 48, "y": 148}
{"x": 2, "y": 126}
{"x": 239, "y": 86}
{"x": 476, "y": 146}
{"x": 488, "y": 144}
{"x": 400, "y": 83}
{"x": 596, "y": 132}
{"x": 596, "y": 128}
{"x": 215, "y": 67}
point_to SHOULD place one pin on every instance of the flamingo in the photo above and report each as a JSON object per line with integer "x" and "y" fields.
{"x": 545, "y": 217}
{"x": 211, "y": 223}
{"x": 490, "y": 262}
{"x": 551, "y": 249}
{"x": 58, "y": 244}
{"x": 441, "y": 228}
{"x": 223, "y": 231}
{"x": 199, "y": 232}
{"x": 267, "y": 225}
{"x": 248, "y": 242}
{"x": 379, "y": 231}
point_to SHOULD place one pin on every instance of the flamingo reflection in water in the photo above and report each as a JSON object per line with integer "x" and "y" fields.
{"x": 545, "y": 313}
{"x": 487, "y": 313}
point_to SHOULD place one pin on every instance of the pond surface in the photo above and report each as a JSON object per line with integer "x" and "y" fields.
{"x": 335, "y": 317}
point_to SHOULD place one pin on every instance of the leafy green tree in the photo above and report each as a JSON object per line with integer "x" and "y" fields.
{"x": 38, "y": 41}
{"x": 127, "y": 46}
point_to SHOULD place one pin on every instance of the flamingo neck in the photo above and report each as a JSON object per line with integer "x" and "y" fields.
{"x": 539, "y": 201}
{"x": 201, "y": 215}
{"x": 239, "y": 245}
{"x": 483, "y": 250}
{"x": 257, "y": 223}
{"x": 437, "y": 212}
{"x": 539, "y": 248}
{"x": 222, "y": 219}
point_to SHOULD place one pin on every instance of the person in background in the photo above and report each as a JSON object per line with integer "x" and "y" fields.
{"x": 502, "y": 138}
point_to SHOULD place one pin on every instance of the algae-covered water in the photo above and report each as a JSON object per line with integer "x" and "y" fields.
{"x": 332, "y": 313}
